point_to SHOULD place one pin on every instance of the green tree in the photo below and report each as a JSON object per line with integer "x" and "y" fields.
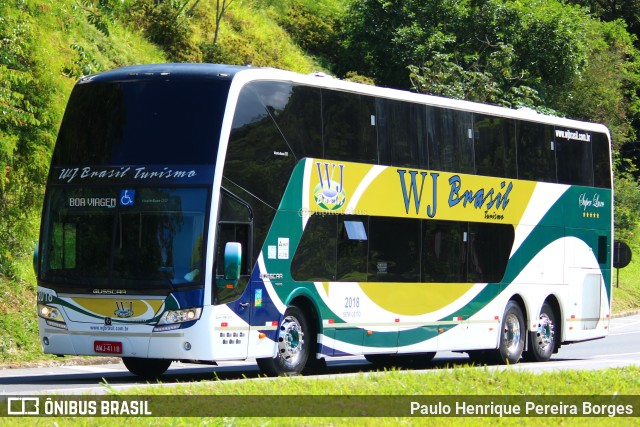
{"x": 316, "y": 33}
{"x": 100, "y": 13}
{"x": 608, "y": 10}
{"x": 221, "y": 8}
{"x": 168, "y": 24}
{"x": 488, "y": 50}
{"x": 627, "y": 200}
{"x": 25, "y": 129}
{"x": 382, "y": 38}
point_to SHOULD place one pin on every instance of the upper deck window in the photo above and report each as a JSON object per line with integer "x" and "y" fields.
{"x": 168, "y": 121}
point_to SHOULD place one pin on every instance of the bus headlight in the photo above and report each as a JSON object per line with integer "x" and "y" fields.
{"x": 172, "y": 319}
{"x": 52, "y": 316}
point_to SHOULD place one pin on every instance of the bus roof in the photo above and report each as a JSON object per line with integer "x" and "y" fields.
{"x": 164, "y": 71}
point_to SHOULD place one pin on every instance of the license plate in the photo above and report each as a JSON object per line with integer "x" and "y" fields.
{"x": 110, "y": 347}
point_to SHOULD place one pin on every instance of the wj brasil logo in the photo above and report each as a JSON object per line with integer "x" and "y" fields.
{"x": 122, "y": 310}
{"x": 329, "y": 194}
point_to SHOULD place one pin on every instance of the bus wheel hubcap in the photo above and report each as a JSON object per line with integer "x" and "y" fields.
{"x": 290, "y": 339}
{"x": 545, "y": 331}
{"x": 512, "y": 335}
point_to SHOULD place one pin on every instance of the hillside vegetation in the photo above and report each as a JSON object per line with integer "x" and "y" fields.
{"x": 563, "y": 58}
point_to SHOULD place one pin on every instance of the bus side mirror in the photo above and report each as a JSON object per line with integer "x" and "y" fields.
{"x": 232, "y": 261}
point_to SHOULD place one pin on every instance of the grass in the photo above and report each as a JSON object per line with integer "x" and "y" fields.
{"x": 447, "y": 385}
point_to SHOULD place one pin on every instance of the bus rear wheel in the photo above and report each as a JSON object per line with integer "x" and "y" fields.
{"x": 146, "y": 368}
{"x": 512, "y": 334}
{"x": 542, "y": 342}
{"x": 292, "y": 351}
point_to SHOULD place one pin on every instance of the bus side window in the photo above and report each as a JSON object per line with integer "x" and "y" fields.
{"x": 394, "y": 250}
{"x": 352, "y": 249}
{"x": 443, "y": 256}
{"x": 315, "y": 258}
{"x": 574, "y": 157}
{"x": 450, "y": 142}
{"x": 495, "y": 146}
{"x": 601, "y": 161}
{"x": 536, "y": 160}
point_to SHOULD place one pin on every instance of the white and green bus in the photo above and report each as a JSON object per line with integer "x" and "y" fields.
{"x": 200, "y": 212}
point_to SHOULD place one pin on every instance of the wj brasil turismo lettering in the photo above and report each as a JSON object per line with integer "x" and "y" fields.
{"x": 69, "y": 174}
{"x": 480, "y": 198}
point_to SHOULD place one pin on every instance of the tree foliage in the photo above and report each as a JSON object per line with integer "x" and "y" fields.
{"x": 167, "y": 23}
{"x": 612, "y": 10}
{"x": 493, "y": 51}
{"x": 100, "y": 13}
{"x": 19, "y": 118}
{"x": 627, "y": 200}
{"x": 221, "y": 9}
{"x": 317, "y": 34}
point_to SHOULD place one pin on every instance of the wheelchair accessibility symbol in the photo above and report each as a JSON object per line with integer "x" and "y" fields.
{"x": 126, "y": 197}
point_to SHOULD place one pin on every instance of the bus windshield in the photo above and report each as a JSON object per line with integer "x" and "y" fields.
{"x": 142, "y": 122}
{"x": 129, "y": 182}
{"x": 126, "y": 239}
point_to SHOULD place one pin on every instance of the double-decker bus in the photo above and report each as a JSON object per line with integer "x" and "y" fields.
{"x": 199, "y": 212}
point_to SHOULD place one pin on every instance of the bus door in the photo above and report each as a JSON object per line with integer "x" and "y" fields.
{"x": 234, "y": 233}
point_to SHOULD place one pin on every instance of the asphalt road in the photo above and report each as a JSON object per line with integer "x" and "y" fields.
{"x": 620, "y": 348}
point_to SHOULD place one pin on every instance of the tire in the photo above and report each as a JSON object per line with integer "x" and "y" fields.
{"x": 293, "y": 350}
{"x": 542, "y": 342}
{"x": 409, "y": 361}
{"x": 512, "y": 334}
{"x": 146, "y": 368}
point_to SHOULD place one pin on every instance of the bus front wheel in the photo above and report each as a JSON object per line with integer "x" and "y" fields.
{"x": 146, "y": 368}
{"x": 292, "y": 349}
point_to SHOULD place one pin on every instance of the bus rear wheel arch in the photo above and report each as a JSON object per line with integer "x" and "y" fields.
{"x": 293, "y": 343}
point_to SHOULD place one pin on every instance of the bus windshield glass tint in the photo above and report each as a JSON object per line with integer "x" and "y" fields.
{"x": 135, "y": 238}
{"x": 142, "y": 122}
